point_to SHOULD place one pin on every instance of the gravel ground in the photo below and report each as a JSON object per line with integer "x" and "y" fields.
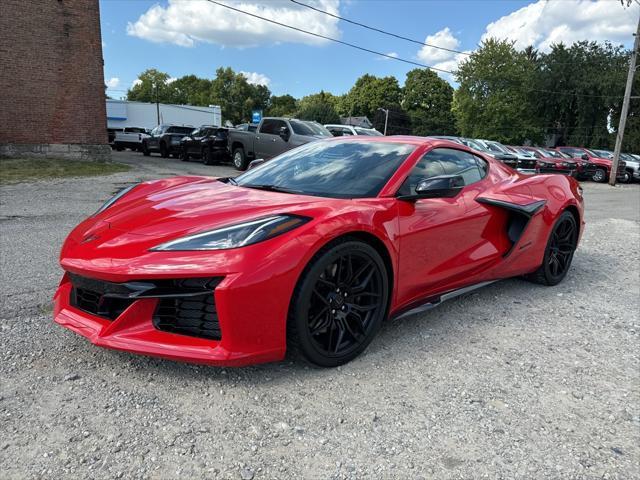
{"x": 513, "y": 381}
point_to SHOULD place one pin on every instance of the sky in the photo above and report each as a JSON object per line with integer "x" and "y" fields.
{"x": 184, "y": 37}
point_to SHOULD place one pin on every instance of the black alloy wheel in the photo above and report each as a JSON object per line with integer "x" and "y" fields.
{"x": 558, "y": 255}
{"x": 339, "y": 304}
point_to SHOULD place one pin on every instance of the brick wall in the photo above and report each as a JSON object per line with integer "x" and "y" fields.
{"x": 51, "y": 73}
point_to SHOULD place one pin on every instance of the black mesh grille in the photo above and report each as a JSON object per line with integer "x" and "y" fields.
{"x": 185, "y": 305}
{"x": 194, "y": 316}
{"x": 96, "y": 304}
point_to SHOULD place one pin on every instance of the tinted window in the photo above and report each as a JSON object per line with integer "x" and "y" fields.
{"x": 574, "y": 152}
{"x": 272, "y": 126}
{"x": 183, "y": 130}
{"x": 340, "y": 169}
{"x": 445, "y": 161}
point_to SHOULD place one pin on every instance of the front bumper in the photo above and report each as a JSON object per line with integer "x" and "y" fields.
{"x": 251, "y": 303}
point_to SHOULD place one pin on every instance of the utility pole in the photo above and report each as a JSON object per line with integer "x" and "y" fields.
{"x": 157, "y": 104}
{"x": 625, "y": 108}
{"x": 386, "y": 118}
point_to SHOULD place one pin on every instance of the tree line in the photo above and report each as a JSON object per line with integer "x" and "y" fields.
{"x": 570, "y": 95}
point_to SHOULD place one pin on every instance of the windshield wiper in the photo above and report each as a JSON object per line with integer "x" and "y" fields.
{"x": 270, "y": 188}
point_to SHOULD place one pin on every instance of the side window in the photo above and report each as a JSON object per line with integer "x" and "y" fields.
{"x": 426, "y": 167}
{"x": 336, "y": 132}
{"x": 272, "y": 127}
{"x": 458, "y": 162}
{"x": 347, "y": 131}
{"x": 445, "y": 161}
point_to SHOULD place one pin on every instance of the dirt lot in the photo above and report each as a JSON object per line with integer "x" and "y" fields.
{"x": 513, "y": 381}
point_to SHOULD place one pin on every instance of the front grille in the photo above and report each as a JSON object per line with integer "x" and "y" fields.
{"x": 96, "y": 304}
{"x": 185, "y": 306}
{"x": 527, "y": 164}
{"x": 195, "y": 316}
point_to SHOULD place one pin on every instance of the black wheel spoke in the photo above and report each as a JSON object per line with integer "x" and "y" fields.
{"x": 344, "y": 303}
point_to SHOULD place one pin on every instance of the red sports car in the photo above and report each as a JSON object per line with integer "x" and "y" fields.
{"x": 309, "y": 252}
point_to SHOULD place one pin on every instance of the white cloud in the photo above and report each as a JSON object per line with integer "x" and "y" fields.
{"x": 256, "y": 78}
{"x": 388, "y": 54}
{"x": 137, "y": 81}
{"x": 186, "y": 23}
{"x": 443, "y": 38}
{"x": 170, "y": 80}
{"x": 543, "y": 23}
{"x": 113, "y": 82}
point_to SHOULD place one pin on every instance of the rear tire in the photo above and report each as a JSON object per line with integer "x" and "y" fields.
{"x": 600, "y": 175}
{"x": 240, "y": 159}
{"x": 338, "y": 305}
{"x": 558, "y": 254}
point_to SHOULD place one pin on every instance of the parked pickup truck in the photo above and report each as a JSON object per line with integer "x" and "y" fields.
{"x": 130, "y": 137}
{"x": 272, "y": 137}
{"x": 165, "y": 139}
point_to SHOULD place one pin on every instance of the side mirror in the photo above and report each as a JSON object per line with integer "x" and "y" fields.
{"x": 284, "y": 133}
{"x": 584, "y": 156}
{"x": 444, "y": 186}
{"x": 255, "y": 163}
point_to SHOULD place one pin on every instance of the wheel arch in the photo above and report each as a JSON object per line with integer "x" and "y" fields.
{"x": 573, "y": 210}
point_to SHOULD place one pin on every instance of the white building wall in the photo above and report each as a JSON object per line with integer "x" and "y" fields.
{"x": 122, "y": 113}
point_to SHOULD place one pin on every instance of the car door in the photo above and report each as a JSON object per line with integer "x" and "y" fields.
{"x": 153, "y": 138}
{"x": 268, "y": 142}
{"x": 444, "y": 241}
{"x": 193, "y": 140}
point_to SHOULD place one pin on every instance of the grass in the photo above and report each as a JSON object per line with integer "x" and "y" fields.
{"x": 15, "y": 170}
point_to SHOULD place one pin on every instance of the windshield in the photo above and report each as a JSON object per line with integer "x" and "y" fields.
{"x": 475, "y": 145}
{"x": 183, "y": 130}
{"x": 551, "y": 153}
{"x": 367, "y": 131}
{"x": 603, "y": 153}
{"x": 338, "y": 169}
{"x": 496, "y": 147}
{"x": 309, "y": 128}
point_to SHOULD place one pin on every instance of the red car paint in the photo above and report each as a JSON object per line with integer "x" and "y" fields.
{"x": 433, "y": 246}
{"x": 594, "y": 161}
{"x": 548, "y": 164}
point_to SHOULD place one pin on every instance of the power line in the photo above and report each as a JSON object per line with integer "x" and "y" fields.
{"x": 411, "y": 62}
{"x": 364, "y": 49}
{"x": 391, "y": 34}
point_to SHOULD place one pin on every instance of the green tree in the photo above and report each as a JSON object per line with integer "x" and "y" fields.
{"x": 153, "y": 86}
{"x": 192, "y": 90}
{"x": 236, "y": 97}
{"x": 495, "y": 96}
{"x": 319, "y": 107}
{"x": 282, "y": 106}
{"x": 369, "y": 94}
{"x": 427, "y": 99}
{"x": 579, "y": 88}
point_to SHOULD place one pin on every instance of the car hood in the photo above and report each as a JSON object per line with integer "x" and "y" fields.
{"x": 196, "y": 206}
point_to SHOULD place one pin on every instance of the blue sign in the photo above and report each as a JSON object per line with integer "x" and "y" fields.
{"x": 256, "y": 116}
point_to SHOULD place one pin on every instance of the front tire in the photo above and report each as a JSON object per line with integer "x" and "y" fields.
{"x": 558, "y": 255}
{"x": 145, "y": 150}
{"x": 240, "y": 159}
{"x": 600, "y": 175}
{"x": 184, "y": 155}
{"x": 338, "y": 305}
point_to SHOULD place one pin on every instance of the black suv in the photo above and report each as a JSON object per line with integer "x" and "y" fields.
{"x": 165, "y": 139}
{"x": 207, "y": 143}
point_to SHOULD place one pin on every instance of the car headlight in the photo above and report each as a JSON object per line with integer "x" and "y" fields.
{"x": 235, "y": 236}
{"x": 115, "y": 198}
